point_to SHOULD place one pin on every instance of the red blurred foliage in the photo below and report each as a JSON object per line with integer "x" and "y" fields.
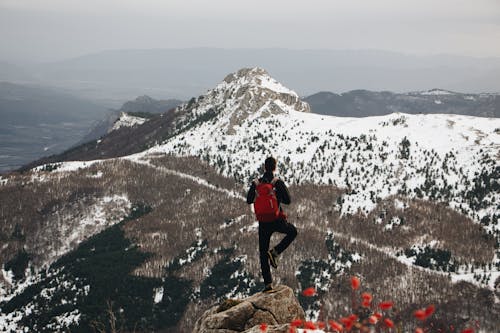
{"x": 335, "y": 326}
{"x": 355, "y": 283}
{"x": 352, "y": 320}
{"x": 308, "y": 292}
{"x": 420, "y": 315}
{"x": 263, "y": 327}
{"x": 386, "y": 305}
{"x": 309, "y": 325}
{"x": 389, "y": 323}
{"x": 366, "y": 297}
{"x": 347, "y": 323}
{"x": 430, "y": 310}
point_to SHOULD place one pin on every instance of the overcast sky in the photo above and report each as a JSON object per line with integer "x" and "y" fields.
{"x": 46, "y": 30}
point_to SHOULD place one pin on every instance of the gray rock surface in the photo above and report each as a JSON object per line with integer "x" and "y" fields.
{"x": 275, "y": 309}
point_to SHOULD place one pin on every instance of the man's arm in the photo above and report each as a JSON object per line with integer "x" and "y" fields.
{"x": 282, "y": 192}
{"x": 251, "y": 194}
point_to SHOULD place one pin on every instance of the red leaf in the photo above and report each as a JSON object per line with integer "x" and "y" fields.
{"x": 373, "y": 319}
{"x": 366, "y": 297}
{"x": 308, "y": 292}
{"x": 420, "y": 315}
{"x": 468, "y": 330}
{"x": 353, "y": 317}
{"x": 335, "y": 326}
{"x": 366, "y": 304}
{"x": 347, "y": 323}
{"x": 355, "y": 283}
{"x": 296, "y": 322}
{"x": 321, "y": 325}
{"x": 292, "y": 329}
{"x": 263, "y": 327}
{"x": 389, "y": 323}
{"x": 309, "y": 325}
{"x": 378, "y": 315}
{"x": 430, "y": 310}
{"x": 419, "y": 330}
{"x": 386, "y": 305}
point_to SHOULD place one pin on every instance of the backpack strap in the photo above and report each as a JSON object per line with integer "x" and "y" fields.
{"x": 273, "y": 182}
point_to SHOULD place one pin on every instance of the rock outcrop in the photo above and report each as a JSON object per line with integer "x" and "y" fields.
{"x": 277, "y": 310}
{"x": 242, "y": 96}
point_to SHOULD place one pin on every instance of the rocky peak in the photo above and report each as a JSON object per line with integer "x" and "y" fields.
{"x": 276, "y": 309}
{"x": 246, "y": 94}
{"x": 246, "y": 73}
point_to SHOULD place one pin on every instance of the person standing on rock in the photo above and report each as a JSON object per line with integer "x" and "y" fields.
{"x": 267, "y": 194}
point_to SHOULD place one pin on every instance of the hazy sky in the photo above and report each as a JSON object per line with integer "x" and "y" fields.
{"x": 44, "y": 30}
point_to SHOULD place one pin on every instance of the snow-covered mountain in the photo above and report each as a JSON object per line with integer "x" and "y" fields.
{"x": 407, "y": 202}
{"x": 446, "y": 158}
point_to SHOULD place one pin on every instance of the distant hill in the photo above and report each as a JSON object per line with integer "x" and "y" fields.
{"x": 363, "y": 103}
{"x": 113, "y": 76}
{"x": 143, "y": 106}
{"x": 37, "y": 121}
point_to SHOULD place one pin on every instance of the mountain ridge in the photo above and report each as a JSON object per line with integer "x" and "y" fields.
{"x": 363, "y": 103}
{"x": 181, "y": 73}
{"x": 396, "y": 200}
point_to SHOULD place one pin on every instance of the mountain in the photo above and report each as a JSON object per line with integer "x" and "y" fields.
{"x": 37, "y": 121}
{"x": 362, "y": 103}
{"x": 142, "y": 107}
{"x": 148, "y": 239}
{"x": 115, "y": 75}
{"x": 146, "y": 104}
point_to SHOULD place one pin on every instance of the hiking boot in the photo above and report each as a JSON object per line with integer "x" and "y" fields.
{"x": 273, "y": 257}
{"x": 268, "y": 288}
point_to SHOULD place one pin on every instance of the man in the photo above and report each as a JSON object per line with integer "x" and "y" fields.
{"x": 278, "y": 224}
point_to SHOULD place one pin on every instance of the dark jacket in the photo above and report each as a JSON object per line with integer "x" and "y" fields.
{"x": 281, "y": 190}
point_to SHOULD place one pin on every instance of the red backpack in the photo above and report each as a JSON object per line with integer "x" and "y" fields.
{"x": 266, "y": 205}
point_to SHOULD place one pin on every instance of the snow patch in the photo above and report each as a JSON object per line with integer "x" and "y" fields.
{"x": 105, "y": 212}
{"x": 437, "y": 92}
{"x": 66, "y": 166}
{"x": 158, "y": 295}
{"x": 98, "y": 174}
{"x": 127, "y": 120}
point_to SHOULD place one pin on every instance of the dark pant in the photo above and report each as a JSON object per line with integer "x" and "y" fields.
{"x": 266, "y": 229}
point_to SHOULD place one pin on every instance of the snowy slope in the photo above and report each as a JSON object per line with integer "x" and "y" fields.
{"x": 127, "y": 120}
{"x": 429, "y": 156}
{"x": 445, "y": 158}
